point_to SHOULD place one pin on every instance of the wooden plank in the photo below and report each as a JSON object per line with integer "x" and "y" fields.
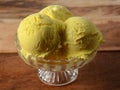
{"x": 103, "y": 12}
{"x": 69, "y": 3}
{"x": 20, "y": 9}
{"x": 7, "y": 36}
{"x": 89, "y": 3}
{"x": 101, "y": 74}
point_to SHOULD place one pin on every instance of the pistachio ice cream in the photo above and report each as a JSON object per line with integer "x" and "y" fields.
{"x": 38, "y": 35}
{"x": 82, "y": 37}
{"x": 54, "y": 33}
{"x": 57, "y": 12}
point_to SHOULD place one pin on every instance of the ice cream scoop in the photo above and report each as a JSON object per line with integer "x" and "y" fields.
{"x": 82, "y": 37}
{"x": 57, "y": 12}
{"x": 38, "y": 35}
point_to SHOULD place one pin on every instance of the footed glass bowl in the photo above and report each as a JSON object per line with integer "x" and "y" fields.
{"x": 55, "y": 72}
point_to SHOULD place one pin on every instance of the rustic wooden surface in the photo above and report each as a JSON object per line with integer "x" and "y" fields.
{"x": 103, "y": 73}
{"x": 105, "y": 14}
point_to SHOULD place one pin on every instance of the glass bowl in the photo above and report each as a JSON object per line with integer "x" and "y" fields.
{"x": 55, "y": 72}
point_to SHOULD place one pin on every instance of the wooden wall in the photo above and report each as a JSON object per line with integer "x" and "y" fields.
{"x": 104, "y": 13}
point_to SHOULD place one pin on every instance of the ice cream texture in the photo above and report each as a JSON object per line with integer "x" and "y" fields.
{"x": 38, "y": 35}
{"x": 82, "y": 37}
{"x": 54, "y": 32}
{"x": 57, "y": 12}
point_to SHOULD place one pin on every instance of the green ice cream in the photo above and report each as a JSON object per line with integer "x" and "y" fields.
{"x": 57, "y": 12}
{"x": 82, "y": 37}
{"x": 38, "y": 35}
{"x": 55, "y": 34}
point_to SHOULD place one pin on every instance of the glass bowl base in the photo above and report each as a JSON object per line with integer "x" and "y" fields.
{"x": 57, "y": 78}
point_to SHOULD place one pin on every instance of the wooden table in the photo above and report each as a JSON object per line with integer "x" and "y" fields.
{"x": 103, "y": 73}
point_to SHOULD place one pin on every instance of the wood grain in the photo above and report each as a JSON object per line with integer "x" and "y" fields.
{"x": 105, "y": 14}
{"x": 101, "y": 74}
